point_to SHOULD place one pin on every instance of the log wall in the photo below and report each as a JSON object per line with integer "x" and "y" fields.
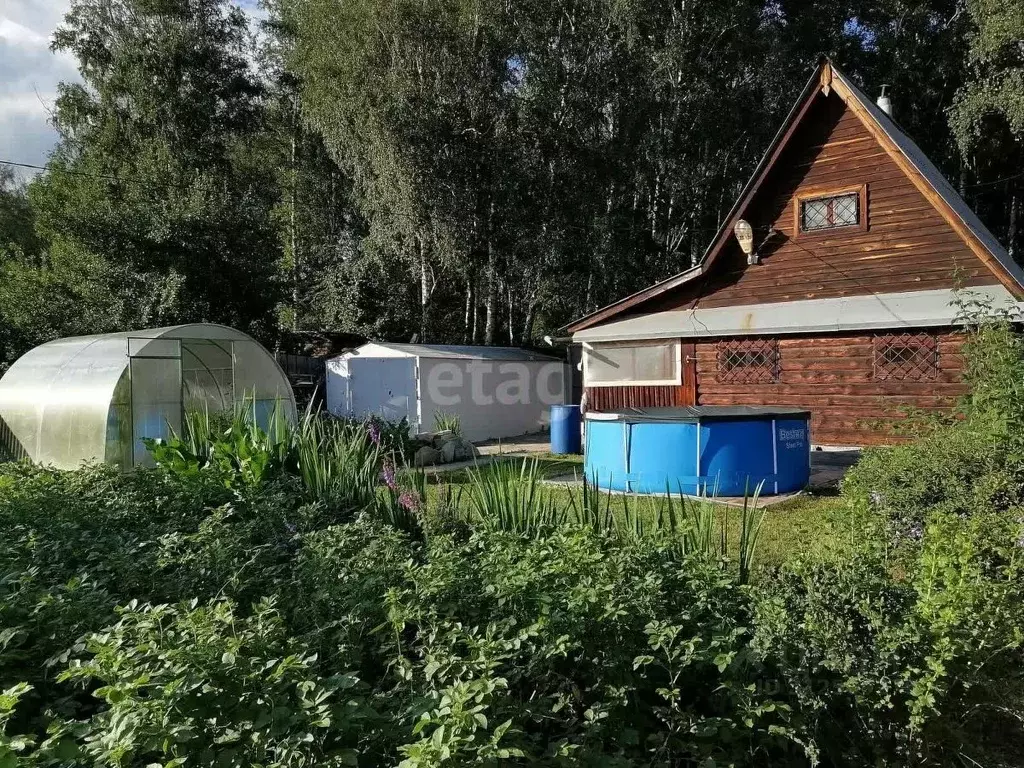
{"x": 833, "y": 377}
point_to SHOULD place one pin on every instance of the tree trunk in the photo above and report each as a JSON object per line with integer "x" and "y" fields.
{"x": 293, "y": 238}
{"x": 511, "y": 316}
{"x": 491, "y": 323}
{"x": 467, "y": 321}
{"x": 424, "y": 291}
{"x": 1012, "y": 231}
{"x": 476, "y": 314}
{"x": 528, "y": 318}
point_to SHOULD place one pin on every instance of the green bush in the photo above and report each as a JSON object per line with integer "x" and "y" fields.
{"x": 566, "y": 647}
{"x": 970, "y": 462}
{"x": 918, "y": 663}
{"x": 581, "y": 648}
{"x": 958, "y": 469}
{"x": 285, "y": 598}
{"x": 202, "y": 685}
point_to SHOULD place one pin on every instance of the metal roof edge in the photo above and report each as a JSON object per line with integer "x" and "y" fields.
{"x": 455, "y": 352}
{"x": 668, "y": 283}
{"x": 905, "y": 309}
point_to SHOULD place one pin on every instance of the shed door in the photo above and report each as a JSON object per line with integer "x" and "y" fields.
{"x": 384, "y": 387}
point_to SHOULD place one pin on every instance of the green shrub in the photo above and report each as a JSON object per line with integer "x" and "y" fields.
{"x": 970, "y": 462}
{"x": 447, "y": 422}
{"x": 71, "y": 545}
{"x": 960, "y": 469}
{"x": 915, "y": 663}
{"x": 202, "y": 685}
{"x": 580, "y": 648}
{"x": 567, "y": 646}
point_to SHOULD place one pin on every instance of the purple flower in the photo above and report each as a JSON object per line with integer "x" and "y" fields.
{"x": 374, "y": 431}
{"x": 409, "y": 501}
{"x": 388, "y": 475}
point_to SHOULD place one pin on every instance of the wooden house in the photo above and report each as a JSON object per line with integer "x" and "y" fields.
{"x": 831, "y": 286}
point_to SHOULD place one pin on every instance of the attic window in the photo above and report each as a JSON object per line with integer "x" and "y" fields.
{"x": 748, "y": 361}
{"x": 843, "y": 208}
{"x": 906, "y": 357}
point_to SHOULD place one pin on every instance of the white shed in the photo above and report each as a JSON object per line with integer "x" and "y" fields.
{"x": 495, "y": 391}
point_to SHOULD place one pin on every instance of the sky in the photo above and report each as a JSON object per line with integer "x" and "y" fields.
{"x": 29, "y": 75}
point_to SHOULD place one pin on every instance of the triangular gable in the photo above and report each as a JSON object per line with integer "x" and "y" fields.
{"x": 904, "y": 152}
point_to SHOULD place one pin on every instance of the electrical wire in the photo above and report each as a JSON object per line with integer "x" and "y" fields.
{"x": 995, "y": 181}
{"x": 627, "y": 228}
{"x": 30, "y": 166}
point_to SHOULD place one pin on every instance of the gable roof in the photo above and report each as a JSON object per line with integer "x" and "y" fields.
{"x": 907, "y": 155}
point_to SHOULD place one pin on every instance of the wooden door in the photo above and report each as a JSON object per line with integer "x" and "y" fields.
{"x": 688, "y": 391}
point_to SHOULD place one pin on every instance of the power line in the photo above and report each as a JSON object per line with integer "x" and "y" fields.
{"x": 995, "y": 181}
{"x": 152, "y": 184}
{"x": 70, "y": 173}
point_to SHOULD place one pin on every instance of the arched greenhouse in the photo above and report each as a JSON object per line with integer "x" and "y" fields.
{"x": 95, "y": 398}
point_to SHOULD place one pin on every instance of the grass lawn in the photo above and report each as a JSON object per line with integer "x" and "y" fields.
{"x": 797, "y": 526}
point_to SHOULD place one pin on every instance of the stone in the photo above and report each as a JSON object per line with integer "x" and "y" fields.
{"x": 448, "y": 451}
{"x": 458, "y": 449}
{"x": 440, "y": 438}
{"x": 426, "y": 457}
{"x": 466, "y": 450}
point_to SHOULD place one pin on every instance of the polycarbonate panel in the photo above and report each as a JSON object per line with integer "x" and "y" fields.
{"x": 207, "y": 375}
{"x": 138, "y": 347}
{"x": 156, "y": 402}
{"x": 119, "y": 425}
{"x": 55, "y": 399}
{"x": 70, "y": 401}
{"x": 258, "y": 377}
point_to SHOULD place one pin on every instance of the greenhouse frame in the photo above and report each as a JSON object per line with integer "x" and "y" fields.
{"x": 97, "y": 398}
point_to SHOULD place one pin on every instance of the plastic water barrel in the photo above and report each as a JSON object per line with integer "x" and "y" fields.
{"x": 565, "y": 429}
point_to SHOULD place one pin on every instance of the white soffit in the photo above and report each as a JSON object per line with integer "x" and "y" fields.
{"x": 912, "y": 309}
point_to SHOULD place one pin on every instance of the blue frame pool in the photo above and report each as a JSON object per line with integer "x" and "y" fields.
{"x": 713, "y": 450}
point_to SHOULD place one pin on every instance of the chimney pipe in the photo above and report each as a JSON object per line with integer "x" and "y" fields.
{"x": 884, "y": 102}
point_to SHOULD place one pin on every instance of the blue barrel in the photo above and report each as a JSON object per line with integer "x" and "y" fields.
{"x": 565, "y": 429}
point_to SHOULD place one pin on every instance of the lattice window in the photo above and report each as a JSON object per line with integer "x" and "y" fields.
{"x": 906, "y": 357}
{"x": 748, "y": 361}
{"x": 828, "y": 212}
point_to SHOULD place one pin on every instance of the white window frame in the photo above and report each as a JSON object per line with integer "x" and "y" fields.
{"x": 591, "y": 348}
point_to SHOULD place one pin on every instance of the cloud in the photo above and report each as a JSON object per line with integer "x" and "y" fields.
{"x": 29, "y": 75}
